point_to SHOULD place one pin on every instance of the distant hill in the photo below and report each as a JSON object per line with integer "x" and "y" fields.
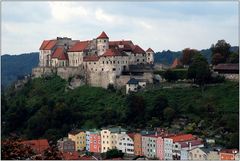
{"x": 14, "y": 66}
{"x": 167, "y": 57}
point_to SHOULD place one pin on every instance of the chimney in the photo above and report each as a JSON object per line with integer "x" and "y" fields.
{"x": 156, "y": 133}
{"x": 189, "y": 145}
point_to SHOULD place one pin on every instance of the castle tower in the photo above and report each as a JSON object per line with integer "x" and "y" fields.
{"x": 102, "y": 43}
{"x": 150, "y": 56}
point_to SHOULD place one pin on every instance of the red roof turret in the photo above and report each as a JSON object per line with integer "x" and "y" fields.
{"x": 150, "y": 50}
{"x": 103, "y": 36}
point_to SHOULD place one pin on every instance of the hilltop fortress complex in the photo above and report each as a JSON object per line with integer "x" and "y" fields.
{"x": 97, "y": 62}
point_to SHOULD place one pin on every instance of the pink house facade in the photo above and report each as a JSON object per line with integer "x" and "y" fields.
{"x": 95, "y": 142}
{"x": 160, "y": 148}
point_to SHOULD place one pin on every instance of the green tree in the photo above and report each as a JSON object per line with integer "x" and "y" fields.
{"x": 170, "y": 76}
{"x": 217, "y": 59}
{"x": 222, "y": 48}
{"x": 188, "y": 55}
{"x": 233, "y": 58}
{"x": 199, "y": 71}
{"x": 168, "y": 113}
{"x": 114, "y": 153}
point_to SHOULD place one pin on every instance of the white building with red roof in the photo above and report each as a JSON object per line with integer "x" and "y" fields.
{"x": 103, "y": 60}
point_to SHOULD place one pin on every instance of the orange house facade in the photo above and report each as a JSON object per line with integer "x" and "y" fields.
{"x": 95, "y": 142}
{"x": 228, "y": 154}
{"x": 138, "y": 144}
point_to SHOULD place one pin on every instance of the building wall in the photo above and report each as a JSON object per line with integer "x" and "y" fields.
{"x": 168, "y": 145}
{"x": 226, "y": 156}
{"x": 95, "y": 142}
{"x": 88, "y": 140}
{"x": 102, "y": 46}
{"x": 197, "y": 154}
{"x": 160, "y": 148}
{"x": 149, "y": 146}
{"x": 75, "y": 58}
{"x": 79, "y": 139}
{"x": 184, "y": 154}
{"x": 176, "y": 151}
{"x": 108, "y": 140}
{"x": 45, "y": 58}
{"x": 138, "y": 144}
{"x": 125, "y": 144}
{"x": 213, "y": 155}
{"x": 131, "y": 88}
{"x": 150, "y": 57}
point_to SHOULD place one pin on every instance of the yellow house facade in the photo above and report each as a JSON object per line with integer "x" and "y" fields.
{"x": 79, "y": 137}
{"x": 109, "y": 138}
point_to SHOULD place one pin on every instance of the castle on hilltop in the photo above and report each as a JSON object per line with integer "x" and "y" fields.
{"x": 98, "y": 62}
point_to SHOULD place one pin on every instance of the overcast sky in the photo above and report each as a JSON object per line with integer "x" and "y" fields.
{"x": 159, "y": 25}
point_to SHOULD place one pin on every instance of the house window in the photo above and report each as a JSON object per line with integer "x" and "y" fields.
{"x": 105, "y": 40}
{"x": 103, "y": 62}
{"x": 114, "y": 69}
{"x": 102, "y": 69}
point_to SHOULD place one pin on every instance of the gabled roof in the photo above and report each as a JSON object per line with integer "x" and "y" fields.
{"x": 117, "y": 129}
{"x": 113, "y": 52}
{"x": 227, "y": 67}
{"x": 138, "y": 50}
{"x": 75, "y": 132}
{"x": 44, "y": 43}
{"x": 79, "y": 46}
{"x": 230, "y": 151}
{"x": 182, "y": 137}
{"x": 103, "y": 35}
{"x": 133, "y": 81}
{"x": 131, "y": 135}
{"x": 60, "y": 54}
{"x": 48, "y": 44}
{"x": 37, "y": 145}
{"x": 91, "y": 58}
{"x": 149, "y": 50}
{"x": 175, "y": 63}
{"x": 127, "y": 45}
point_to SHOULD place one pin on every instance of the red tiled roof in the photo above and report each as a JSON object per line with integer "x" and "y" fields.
{"x": 226, "y": 67}
{"x": 79, "y": 46}
{"x": 138, "y": 50}
{"x": 50, "y": 45}
{"x": 91, "y": 58}
{"x": 71, "y": 155}
{"x": 150, "y": 50}
{"x": 59, "y": 54}
{"x": 44, "y": 43}
{"x": 175, "y": 63}
{"x": 103, "y": 35}
{"x": 75, "y": 132}
{"x": 182, "y": 137}
{"x": 231, "y": 151}
{"x": 37, "y": 145}
{"x": 131, "y": 135}
{"x": 193, "y": 143}
{"x": 113, "y": 52}
{"x": 127, "y": 45}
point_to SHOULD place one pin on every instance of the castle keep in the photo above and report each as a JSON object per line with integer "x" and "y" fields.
{"x": 97, "y": 62}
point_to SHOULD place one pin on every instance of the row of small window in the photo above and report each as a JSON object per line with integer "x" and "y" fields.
{"x": 126, "y": 144}
{"x": 151, "y": 145}
{"x": 100, "y": 40}
{"x": 80, "y": 142}
{"x": 142, "y": 60}
{"x": 124, "y": 139}
{"x": 108, "y": 142}
{"x": 69, "y": 147}
{"x": 81, "y": 137}
{"x": 130, "y": 150}
{"x": 104, "y": 148}
{"x": 113, "y": 62}
{"x": 108, "y": 136}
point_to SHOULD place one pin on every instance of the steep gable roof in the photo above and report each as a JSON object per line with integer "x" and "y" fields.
{"x": 127, "y": 45}
{"x": 60, "y": 54}
{"x": 91, "y": 58}
{"x": 50, "y": 45}
{"x": 44, "y": 43}
{"x": 79, "y": 46}
{"x": 138, "y": 50}
{"x": 75, "y": 132}
{"x": 149, "y": 50}
{"x": 103, "y": 35}
{"x": 113, "y": 52}
{"x": 175, "y": 63}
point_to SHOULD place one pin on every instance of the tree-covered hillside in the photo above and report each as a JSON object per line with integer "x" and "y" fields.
{"x": 46, "y": 108}
{"x": 14, "y": 66}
